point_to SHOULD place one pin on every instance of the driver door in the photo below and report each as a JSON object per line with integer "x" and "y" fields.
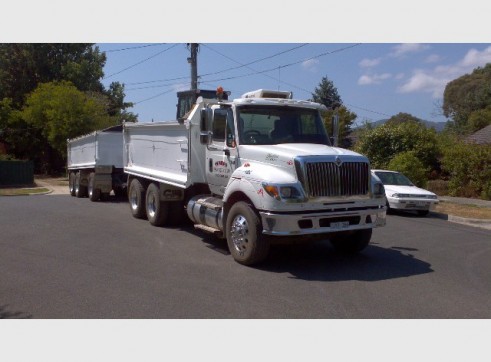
{"x": 221, "y": 155}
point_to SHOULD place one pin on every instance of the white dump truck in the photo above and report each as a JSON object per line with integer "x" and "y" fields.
{"x": 252, "y": 170}
{"x": 95, "y": 164}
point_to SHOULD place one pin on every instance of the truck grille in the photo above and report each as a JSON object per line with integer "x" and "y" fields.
{"x": 327, "y": 179}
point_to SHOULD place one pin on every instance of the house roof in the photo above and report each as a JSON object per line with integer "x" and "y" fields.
{"x": 481, "y": 137}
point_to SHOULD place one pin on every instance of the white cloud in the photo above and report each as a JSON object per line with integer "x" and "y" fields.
{"x": 433, "y": 58}
{"x": 434, "y": 80}
{"x": 399, "y": 76}
{"x": 406, "y": 48}
{"x": 310, "y": 64}
{"x": 367, "y": 63}
{"x": 369, "y": 79}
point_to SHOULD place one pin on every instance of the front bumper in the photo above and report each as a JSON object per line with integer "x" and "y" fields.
{"x": 411, "y": 204}
{"x": 289, "y": 224}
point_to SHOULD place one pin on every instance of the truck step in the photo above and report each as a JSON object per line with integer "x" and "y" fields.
{"x": 211, "y": 203}
{"x": 209, "y": 229}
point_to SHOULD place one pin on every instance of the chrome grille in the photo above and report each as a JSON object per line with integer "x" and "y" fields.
{"x": 327, "y": 179}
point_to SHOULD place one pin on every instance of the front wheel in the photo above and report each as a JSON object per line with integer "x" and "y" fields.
{"x": 245, "y": 239}
{"x": 352, "y": 242}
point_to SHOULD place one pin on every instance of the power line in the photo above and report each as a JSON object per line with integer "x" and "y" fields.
{"x": 247, "y": 64}
{"x": 221, "y": 71}
{"x": 140, "y": 62}
{"x": 131, "y": 48}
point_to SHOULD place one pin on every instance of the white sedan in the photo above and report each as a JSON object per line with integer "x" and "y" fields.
{"x": 402, "y": 194}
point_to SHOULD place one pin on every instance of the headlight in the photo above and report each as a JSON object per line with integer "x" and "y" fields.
{"x": 400, "y": 195}
{"x": 284, "y": 192}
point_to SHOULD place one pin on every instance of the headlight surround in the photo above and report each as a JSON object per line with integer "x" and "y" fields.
{"x": 378, "y": 190}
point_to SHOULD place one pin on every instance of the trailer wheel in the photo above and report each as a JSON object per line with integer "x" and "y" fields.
{"x": 80, "y": 190}
{"x": 71, "y": 183}
{"x": 94, "y": 194}
{"x": 245, "y": 239}
{"x": 157, "y": 211}
{"x": 352, "y": 243}
{"x": 136, "y": 198}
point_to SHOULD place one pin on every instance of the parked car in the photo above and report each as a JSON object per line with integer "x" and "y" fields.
{"x": 402, "y": 194}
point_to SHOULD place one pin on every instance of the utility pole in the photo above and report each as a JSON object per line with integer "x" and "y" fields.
{"x": 193, "y": 60}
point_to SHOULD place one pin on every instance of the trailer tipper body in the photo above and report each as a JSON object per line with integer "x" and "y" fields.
{"x": 95, "y": 164}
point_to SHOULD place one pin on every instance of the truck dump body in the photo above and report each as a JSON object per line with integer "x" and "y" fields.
{"x": 96, "y": 149}
{"x": 159, "y": 151}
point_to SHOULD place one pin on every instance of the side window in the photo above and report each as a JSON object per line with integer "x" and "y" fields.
{"x": 219, "y": 123}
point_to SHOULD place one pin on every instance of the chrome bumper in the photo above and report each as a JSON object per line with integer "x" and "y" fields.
{"x": 321, "y": 222}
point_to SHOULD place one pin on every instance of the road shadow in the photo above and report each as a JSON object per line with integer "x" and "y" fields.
{"x": 6, "y": 314}
{"x": 317, "y": 260}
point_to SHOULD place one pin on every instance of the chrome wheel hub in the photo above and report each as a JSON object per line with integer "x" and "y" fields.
{"x": 240, "y": 233}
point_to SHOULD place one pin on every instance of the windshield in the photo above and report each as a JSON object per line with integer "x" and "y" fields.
{"x": 393, "y": 178}
{"x": 271, "y": 125}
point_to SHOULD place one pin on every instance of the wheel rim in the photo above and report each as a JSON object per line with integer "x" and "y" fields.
{"x": 133, "y": 199}
{"x": 91, "y": 189}
{"x": 240, "y": 233}
{"x": 151, "y": 205}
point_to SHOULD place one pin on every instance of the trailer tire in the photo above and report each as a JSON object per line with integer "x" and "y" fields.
{"x": 71, "y": 183}
{"x": 351, "y": 242}
{"x": 136, "y": 198}
{"x": 246, "y": 242}
{"x": 94, "y": 194}
{"x": 80, "y": 190}
{"x": 157, "y": 210}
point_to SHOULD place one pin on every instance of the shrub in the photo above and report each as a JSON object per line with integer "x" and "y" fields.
{"x": 410, "y": 165}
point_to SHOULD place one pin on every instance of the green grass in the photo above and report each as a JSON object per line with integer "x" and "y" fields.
{"x": 23, "y": 191}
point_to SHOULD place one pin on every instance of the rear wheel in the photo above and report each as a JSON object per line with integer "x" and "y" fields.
{"x": 423, "y": 212}
{"x": 94, "y": 194}
{"x": 136, "y": 198}
{"x": 80, "y": 190}
{"x": 352, "y": 242}
{"x": 71, "y": 183}
{"x": 157, "y": 211}
{"x": 245, "y": 239}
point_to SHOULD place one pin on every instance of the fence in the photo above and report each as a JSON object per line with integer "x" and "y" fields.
{"x": 16, "y": 173}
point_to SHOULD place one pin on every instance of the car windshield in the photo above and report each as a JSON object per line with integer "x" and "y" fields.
{"x": 271, "y": 125}
{"x": 393, "y": 178}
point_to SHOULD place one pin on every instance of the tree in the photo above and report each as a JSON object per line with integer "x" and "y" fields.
{"x": 117, "y": 106}
{"x": 403, "y": 117}
{"x": 381, "y": 144}
{"x": 466, "y": 95}
{"x": 327, "y": 94}
{"x": 24, "y": 66}
{"x": 57, "y": 111}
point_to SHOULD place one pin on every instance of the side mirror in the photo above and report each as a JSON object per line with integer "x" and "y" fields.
{"x": 205, "y": 125}
{"x": 335, "y": 129}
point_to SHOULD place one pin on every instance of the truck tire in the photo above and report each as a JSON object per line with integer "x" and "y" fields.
{"x": 80, "y": 190}
{"x": 71, "y": 183}
{"x": 351, "y": 242}
{"x": 136, "y": 198}
{"x": 245, "y": 239}
{"x": 157, "y": 210}
{"x": 94, "y": 194}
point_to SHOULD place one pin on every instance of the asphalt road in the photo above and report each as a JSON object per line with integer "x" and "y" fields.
{"x": 62, "y": 257}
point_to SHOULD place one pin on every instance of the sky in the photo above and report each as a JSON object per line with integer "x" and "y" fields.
{"x": 374, "y": 80}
